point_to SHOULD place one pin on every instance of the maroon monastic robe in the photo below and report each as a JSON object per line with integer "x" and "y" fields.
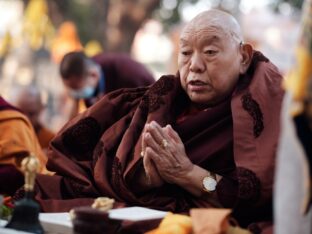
{"x": 98, "y": 152}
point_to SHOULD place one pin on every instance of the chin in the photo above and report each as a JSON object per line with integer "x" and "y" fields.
{"x": 200, "y": 99}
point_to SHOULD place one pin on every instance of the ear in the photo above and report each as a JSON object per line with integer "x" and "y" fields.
{"x": 94, "y": 73}
{"x": 246, "y": 52}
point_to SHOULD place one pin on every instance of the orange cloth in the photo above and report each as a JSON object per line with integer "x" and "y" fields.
{"x": 174, "y": 224}
{"x": 214, "y": 221}
{"x": 45, "y": 136}
{"x": 210, "y": 221}
{"x": 18, "y": 140}
{"x": 67, "y": 40}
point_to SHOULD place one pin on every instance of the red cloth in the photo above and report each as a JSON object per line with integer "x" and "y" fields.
{"x": 98, "y": 152}
{"x": 4, "y": 105}
{"x": 10, "y": 179}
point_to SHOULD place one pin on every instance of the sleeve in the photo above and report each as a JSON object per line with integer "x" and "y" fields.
{"x": 241, "y": 185}
{"x": 18, "y": 140}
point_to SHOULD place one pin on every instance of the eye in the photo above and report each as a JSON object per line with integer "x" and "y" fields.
{"x": 186, "y": 52}
{"x": 210, "y": 52}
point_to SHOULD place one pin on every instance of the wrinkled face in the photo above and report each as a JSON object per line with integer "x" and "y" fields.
{"x": 209, "y": 63}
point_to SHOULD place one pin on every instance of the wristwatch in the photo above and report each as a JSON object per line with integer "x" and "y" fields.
{"x": 209, "y": 182}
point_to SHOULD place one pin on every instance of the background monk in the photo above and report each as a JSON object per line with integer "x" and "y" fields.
{"x": 17, "y": 140}
{"x": 206, "y": 137}
{"x": 30, "y": 102}
{"x": 89, "y": 79}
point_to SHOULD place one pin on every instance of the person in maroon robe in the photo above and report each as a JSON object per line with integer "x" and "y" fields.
{"x": 89, "y": 79}
{"x": 205, "y": 137}
{"x": 10, "y": 177}
{"x": 17, "y": 141}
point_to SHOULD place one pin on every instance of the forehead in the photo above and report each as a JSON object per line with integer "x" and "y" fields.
{"x": 203, "y": 31}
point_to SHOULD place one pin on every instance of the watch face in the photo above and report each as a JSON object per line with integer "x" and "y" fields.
{"x": 209, "y": 184}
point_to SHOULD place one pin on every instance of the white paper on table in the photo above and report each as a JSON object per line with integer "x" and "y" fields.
{"x": 136, "y": 213}
{"x": 56, "y": 223}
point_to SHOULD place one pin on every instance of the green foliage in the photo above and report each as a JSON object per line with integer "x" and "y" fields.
{"x": 5, "y": 212}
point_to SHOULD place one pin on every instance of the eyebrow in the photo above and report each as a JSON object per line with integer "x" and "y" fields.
{"x": 208, "y": 40}
{"x": 183, "y": 41}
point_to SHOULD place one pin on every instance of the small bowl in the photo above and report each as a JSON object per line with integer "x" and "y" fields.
{"x": 89, "y": 220}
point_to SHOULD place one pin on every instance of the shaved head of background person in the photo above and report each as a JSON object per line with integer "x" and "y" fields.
{"x": 29, "y": 101}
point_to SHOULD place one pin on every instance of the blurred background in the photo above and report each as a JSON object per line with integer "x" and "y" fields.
{"x": 35, "y": 34}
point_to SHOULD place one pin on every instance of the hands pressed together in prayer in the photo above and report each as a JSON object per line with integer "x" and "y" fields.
{"x": 164, "y": 155}
{"x": 165, "y": 159}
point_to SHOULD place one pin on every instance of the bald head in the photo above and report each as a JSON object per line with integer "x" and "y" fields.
{"x": 30, "y": 102}
{"x": 212, "y": 57}
{"x": 218, "y": 20}
{"x": 29, "y": 96}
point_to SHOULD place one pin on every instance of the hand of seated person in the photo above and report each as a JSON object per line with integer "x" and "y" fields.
{"x": 151, "y": 172}
{"x": 165, "y": 150}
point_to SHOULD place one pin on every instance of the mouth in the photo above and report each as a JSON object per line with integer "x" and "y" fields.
{"x": 197, "y": 85}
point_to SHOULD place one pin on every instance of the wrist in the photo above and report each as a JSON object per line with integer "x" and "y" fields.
{"x": 186, "y": 177}
{"x": 193, "y": 181}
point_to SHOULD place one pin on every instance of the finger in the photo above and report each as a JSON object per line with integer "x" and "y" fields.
{"x": 151, "y": 169}
{"x": 178, "y": 150}
{"x": 161, "y": 159}
{"x": 143, "y": 141}
{"x": 143, "y": 145}
{"x": 156, "y": 131}
{"x": 151, "y": 142}
{"x": 172, "y": 134}
{"x": 147, "y": 164}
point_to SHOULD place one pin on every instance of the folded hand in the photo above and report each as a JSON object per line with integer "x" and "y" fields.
{"x": 165, "y": 153}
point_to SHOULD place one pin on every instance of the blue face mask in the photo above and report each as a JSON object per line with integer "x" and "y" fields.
{"x": 84, "y": 93}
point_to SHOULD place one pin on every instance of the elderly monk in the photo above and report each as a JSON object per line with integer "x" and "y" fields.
{"x": 17, "y": 140}
{"x": 206, "y": 137}
{"x": 30, "y": 102}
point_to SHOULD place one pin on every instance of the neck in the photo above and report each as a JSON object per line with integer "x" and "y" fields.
{"x": 204, "y": 106}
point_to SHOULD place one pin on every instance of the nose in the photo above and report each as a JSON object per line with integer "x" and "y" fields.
{"x": 197, "y": 64}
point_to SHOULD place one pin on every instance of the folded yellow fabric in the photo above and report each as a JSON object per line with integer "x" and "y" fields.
{"x": 214, "y": 221}
{"x": 202, "y": 221}
{"x": 174, "y": 224}
{"x": 210, "y": 221}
